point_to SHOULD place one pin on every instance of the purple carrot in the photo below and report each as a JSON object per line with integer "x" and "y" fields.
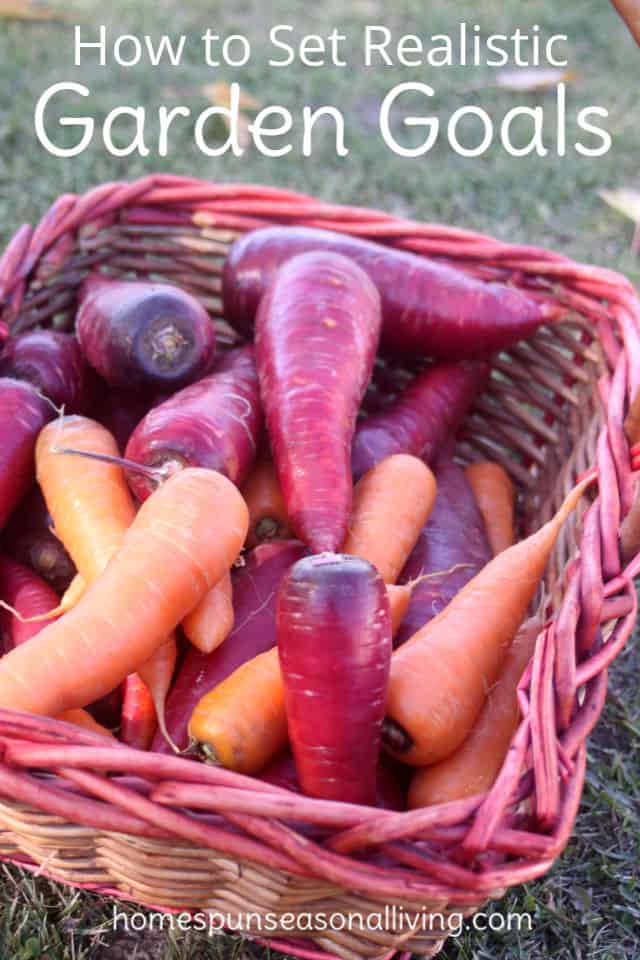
{"x": 29, "y": 539}
{"x": 255, "y": 587}
{"x": 427, "y": 306}
{"x": 316, "y": 336}
{"x": 334, "y": 644}
{"x": 27, "y": 593}
{"x": 213, "y": 423}
{"x": 452, "y": 544}
{"x": 143, "y": 335}
{"x": 53, "y": 363}
{"x": 23, "y": 413}
{"x": 121, "y": 412}
{"x": 391, "y": 787}
{"x": 425, "y": 415}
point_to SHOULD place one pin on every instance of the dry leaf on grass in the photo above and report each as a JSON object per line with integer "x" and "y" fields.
{"x": 219, "y": 94}
{"x": 524, "y": 80}
{"x": 624, "y": 200}
{"x": 28, "y": 10}
{"x": 627, "y": 202}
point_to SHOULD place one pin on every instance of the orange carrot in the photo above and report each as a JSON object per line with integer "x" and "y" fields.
{"x": 268, "y": 518}
{"x": 475, "y": 765}
{"x": 495, "y": 496}
{"x": 242, "y": 723}
{"x": 440, "y": 676}
{"x": 163, "y": 568}
{"x": 80, "y": 718}
{"x": 89, "y": 501}
{"x": 157, "y": 673}
{"x": 391, "y": 504}
{"x": 399, "y": 597}
{"x": 138, "y": 720}
{"x": 92, "y": 508}
{"x": 212, "y": 620}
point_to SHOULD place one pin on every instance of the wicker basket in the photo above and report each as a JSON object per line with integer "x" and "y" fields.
{"x": 554, "y": 408}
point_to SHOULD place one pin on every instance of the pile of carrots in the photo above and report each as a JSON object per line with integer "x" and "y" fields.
{"x": 268, "y": 557}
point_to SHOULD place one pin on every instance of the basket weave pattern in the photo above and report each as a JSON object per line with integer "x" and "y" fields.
{"x": 554, "y": 409}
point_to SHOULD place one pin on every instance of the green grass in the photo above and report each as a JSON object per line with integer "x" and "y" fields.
{"x": 587, "y": 907}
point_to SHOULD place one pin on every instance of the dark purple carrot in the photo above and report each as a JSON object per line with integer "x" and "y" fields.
{"x": 316, "y": 336}
{"x": 451, "y": 549}
{"x": 29, "y": 539}
{"x": 54, "y": 364}
{"x": 425, "y": 415}
{"x": 391, "y": 781}
{"x": 143, "y": 335}
{"x": 427, "y": 306}
{"x": 255, "y": 587}
{"x": 106, "y": 710}
{"x": 120, "y": 413}
{"x": 213, "y": 423}
{"x": 334, "y": 644}
{"x": 23, "y": 413}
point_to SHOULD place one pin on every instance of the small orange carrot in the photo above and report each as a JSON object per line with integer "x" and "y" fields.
{"x": 242, "y": 723}
{"x": 212, "y": 620}
{"x": 495, "y": 495}
{"x": 391, "y": 504}
{"x": 89, "y": 501}
{"x": 475, "y": 765}
{"x": 268, "y": 518}
{"x": 138, "y": 719}
{"x": 80, "y": 718}
{"x": 157, "y": 673}
{"x": 162, "y": 570}
{"x": 399, "y": 597}
{"x": 440, "y": 676}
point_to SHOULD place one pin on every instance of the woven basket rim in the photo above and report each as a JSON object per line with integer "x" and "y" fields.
{"x": 41, "y": 260}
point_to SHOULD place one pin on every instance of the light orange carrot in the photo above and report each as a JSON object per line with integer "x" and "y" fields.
{"x": 212, "y": 620}
{"x": 163, "y": 568}
{"x": 268, "y": 518}
{"x": 157, "y": 673}
{"x": 391, "y": 504}
{"x": 89, "y": 501}
{"x": 475, "y": 765}
{"x": 399, "y": 597}
{"x": 495, "y": 495}
{"x": 242, "y": 723}
{"x": 440, "y": 676}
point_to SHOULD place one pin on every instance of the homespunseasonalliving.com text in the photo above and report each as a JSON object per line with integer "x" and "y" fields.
{"x": 275, "y": 130}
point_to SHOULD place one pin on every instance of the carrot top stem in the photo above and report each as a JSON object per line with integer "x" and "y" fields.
{"x": 154, "y": 473}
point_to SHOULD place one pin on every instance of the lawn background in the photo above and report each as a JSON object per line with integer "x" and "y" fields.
{"x": 588, "y": 905}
